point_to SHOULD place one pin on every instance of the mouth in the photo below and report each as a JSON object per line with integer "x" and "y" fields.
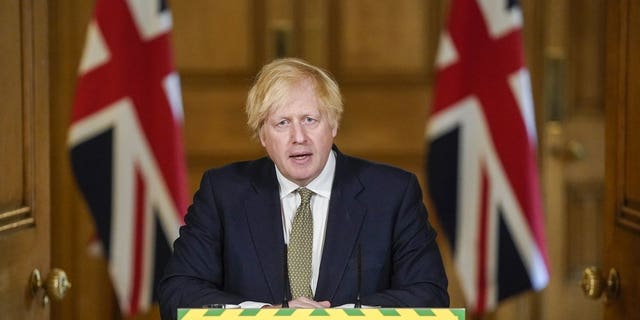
{"x": 300, "y": 156}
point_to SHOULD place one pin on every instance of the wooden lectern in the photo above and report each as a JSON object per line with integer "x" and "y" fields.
{"x": 323, "y": 314}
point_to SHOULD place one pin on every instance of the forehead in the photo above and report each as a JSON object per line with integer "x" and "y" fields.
{"x": 298, "y": 98}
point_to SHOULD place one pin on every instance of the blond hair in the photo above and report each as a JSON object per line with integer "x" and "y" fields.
{"x": 274, "y": 82}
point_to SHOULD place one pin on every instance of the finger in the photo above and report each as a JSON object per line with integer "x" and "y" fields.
{"x": 325, "y": 304}
{"x": 297, "y": 303}
{"x": 302, "y": 302}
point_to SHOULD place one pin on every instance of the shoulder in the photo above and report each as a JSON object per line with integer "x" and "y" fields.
{"x": 372, "y": 172}
{"x": 382, "y": 186}
{"x": 239, "y": 171}
{"x": 373, "y": 168}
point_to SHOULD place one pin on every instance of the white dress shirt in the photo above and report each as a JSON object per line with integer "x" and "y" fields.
{"x": 290, "y": 200}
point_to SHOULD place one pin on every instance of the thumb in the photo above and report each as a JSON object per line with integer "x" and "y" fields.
{"x": 325, "y": 304}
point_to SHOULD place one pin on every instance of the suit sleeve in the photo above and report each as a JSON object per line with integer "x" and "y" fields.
{"x": 194, "y": 274}
{"x": 418, "y": 278}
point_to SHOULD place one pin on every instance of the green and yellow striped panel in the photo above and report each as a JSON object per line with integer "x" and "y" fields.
{"x": 322, "y": 314}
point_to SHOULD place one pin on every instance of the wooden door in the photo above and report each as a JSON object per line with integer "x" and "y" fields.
{"x": 573, "y": 149}
{"x": 622, "y": 210}
{"x": 24, "y": 157}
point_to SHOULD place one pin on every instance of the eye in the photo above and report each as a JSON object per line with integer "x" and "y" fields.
{"x": 310, "y": 120}
{"x": 282, "y": 123}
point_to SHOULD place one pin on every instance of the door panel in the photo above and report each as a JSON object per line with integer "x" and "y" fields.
{"x": 11, "y": 120}
{"x": 573, "y": 152}
{"x": 24, "y": 156}
{"x": 622, "y": 211}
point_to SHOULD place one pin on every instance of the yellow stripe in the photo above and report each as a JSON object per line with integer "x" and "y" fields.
{"x": 194, "y": 314}
{"x": 322, "y": 314}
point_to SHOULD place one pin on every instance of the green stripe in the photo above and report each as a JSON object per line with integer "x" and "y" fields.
{"x": 284, "y": 312}
{"x": 249, "y": 312}
{"x": 318, "y": 313}
{"x": 213, "y": 312}
{"x": 424, "y": 312}
{"x": 389, "y": 312}
{"x": 353, "y": 312}
{"x": 459, "y": 313}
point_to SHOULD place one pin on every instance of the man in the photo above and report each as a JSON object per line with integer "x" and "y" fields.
{"x": 356, "y": 231}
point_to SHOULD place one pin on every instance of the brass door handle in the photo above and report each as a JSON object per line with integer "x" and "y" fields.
{"x": 569, "y": 151}
{"x": 594, "y": 284}
{"x": 55, "y": 287}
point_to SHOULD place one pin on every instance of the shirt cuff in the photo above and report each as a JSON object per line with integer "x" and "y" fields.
{"x": 253, "y": 305}
{"x": 351, "y": 306}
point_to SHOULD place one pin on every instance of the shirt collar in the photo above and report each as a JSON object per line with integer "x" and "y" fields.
{"x": 321, "y": 185}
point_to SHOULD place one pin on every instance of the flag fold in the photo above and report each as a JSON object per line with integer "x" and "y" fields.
{"x": 125, "y": 141}
{"x": 481, "y": 161}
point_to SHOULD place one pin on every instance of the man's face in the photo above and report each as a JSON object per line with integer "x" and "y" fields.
{"x": 297, "y": 137}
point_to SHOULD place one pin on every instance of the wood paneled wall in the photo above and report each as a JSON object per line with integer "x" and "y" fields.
{"x": 381, "y": 53}
{"x": 71, "y": 224}
{"x": 24, "y": 161}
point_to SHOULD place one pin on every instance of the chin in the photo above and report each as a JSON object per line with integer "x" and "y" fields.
{"x": 302, "y": 180}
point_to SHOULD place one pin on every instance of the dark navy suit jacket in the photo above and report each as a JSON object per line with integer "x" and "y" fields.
{"x": 231, "y": 247}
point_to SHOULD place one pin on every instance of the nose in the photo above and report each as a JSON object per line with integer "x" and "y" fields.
{"x": 298, "y": 133}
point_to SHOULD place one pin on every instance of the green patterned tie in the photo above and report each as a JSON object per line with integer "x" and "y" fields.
{"x": 300, "y": 247}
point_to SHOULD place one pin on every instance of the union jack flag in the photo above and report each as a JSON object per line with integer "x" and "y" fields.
{"x": 481, "y": 164}
{"x": 126, "y": 143}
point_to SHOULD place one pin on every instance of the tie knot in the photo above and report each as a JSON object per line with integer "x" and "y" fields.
{"x": 305, "y": 194}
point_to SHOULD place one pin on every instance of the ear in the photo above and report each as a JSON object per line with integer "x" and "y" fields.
{"x": 261, "y": 136}
{"x": 334, "y": 131}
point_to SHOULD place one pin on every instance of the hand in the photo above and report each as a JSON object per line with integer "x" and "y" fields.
{"x": 304, "y": 303}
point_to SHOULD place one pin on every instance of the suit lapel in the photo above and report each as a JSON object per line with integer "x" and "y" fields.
{"x": 344, "y": 221}
{"x": 264, "y": 217}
